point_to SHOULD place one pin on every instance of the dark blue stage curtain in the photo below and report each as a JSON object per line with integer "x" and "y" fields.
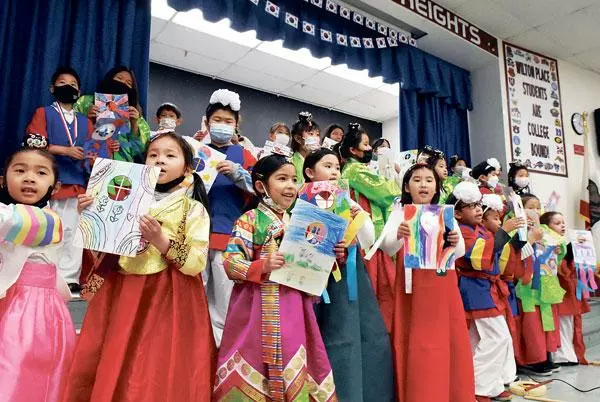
{"x": 92, "y": 36}
{"x": 436, "y": 95}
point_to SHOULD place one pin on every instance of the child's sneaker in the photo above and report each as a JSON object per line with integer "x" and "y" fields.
{"x": 504, "y": 396}
{"x": 538, "y": 369}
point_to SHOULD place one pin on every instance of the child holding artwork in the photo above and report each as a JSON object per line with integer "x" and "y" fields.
{"x": 36, "y": 330}
{"x": 430, "y": 337}
{"x": 484, "y": 294}
{"x": 375, "y": 194}
{"x": 272, "y": 348}
{"x": 168, "y": 118}
{"x": 63, "y": 131}
{"x": 351, "y": 324}
{"x": 147, "y": 333}
{"x": 305, "y": 139}
{"x": 570, "y": 310}
{"x": 131, "y": 143}
{"x": 512, "y": 265}
{"x": 229, "y": 196}
{"x": 539, "y": 296}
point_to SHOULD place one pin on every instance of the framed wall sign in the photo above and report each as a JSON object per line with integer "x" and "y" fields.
{"x": 535, "y": 117}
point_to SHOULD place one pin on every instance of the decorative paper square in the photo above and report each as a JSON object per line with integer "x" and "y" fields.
{"x": 584, "y": 255}
{"x": 425, "y": 248}
{"x": 333, "y": 196}
{"x": 112, "y": 109}
{"x": 205, "y": 162}
{"x": 122, "y": 192}
{"x": 307, "y": 245}
{"x": 328, "y": 143}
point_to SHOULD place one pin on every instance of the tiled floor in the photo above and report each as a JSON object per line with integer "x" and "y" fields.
{"x": 583, "y": 377}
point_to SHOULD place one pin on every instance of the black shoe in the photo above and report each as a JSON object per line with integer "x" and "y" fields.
{"x": 75, "y": 288}
{"x": 555, "y": 368}
{"x": 517, "y": 378}
{"x": 538, "y": 369}
{"x": 567, "y": 364}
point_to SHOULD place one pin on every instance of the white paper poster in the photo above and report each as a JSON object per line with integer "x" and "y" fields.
{"x": 535, "y": 111}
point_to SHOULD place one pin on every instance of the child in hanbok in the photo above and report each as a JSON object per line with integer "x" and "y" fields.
{"x": 570, "y": 310}
{"x": 351, "y": 324}
{"x": 375, "y": 194}
{"x": 147, "y": 334}
{"x": 306, "y": 138}
{"x": 37, "y": 336}
{"x": 272, "y": 348}
{"x": 432, "y": 354}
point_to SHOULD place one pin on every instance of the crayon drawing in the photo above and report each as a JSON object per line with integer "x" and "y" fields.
{"x": 111, "y": 109}
{"x": 585, "y": 258}
{"x": 307, "y": 245}
{"x": 425, "y": 249}
{"x": 333, "y": 196}
{"x": 122, "y": 192}
{"x": 206, "y": 160}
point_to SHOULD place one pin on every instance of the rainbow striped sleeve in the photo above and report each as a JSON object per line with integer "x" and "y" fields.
{"x": 480, "y": 253}
{"x": 29, "y": 226}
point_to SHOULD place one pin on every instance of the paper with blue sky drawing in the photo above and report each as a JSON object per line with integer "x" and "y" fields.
{"x": 308, "y": 247}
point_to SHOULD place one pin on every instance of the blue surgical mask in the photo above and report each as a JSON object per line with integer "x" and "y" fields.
{"x": 221, "y": 133}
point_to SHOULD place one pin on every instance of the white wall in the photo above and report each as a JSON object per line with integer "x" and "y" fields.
{"x": 580, "y": 92}
{"x": 390, "y": 130}
{"x": 486, "y": 122}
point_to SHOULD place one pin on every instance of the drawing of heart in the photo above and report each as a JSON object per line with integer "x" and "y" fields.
{"x": 130, "y": 217}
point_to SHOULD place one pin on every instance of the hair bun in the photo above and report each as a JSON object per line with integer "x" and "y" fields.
{"x": 305, "y": 117}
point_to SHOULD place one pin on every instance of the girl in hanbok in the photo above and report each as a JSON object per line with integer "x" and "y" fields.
{"x": 272, "y": 348}
{"x": 351, "y": 324}
{"x": 306, "y": 138}
{"x": 37, "y": 337}
{"x": 375, "y": 195}
{"x": 147, "y": 334}
{"x": 432, "y": 354}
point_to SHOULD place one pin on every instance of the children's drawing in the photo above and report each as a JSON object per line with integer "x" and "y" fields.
{"x": 552, "y": 203}
{"x": 272, "y": 147}
{"x": 122, "y": 192}
{"x": 98, "y": 145}
{"x": 407, "y": 159}
{"x": 333, "y": 196}
{"x": 308, "y": 247}
{"x": 550, "y": 252}
{"x": 205, "y": 161}
{"x": 584, "y": 255}
{"x": 328, "y": 143}
{"x": 427, "y": 248}
{"x": 517, "y": 207}
{"x": 111, "y": 109}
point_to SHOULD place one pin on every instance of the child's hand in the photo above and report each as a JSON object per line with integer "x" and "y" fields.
{"x": 340, "y": 251}
{"x": 83, "y": 202}
{"x": 225, "y": 167}
{"x": 403, "y": 231}
{"x": 272, "y": 262}
{"x": 152, "y": 232}
{"x": 354, "y": 211}
{"x": 74, "y": 153}
{"x": 513, "y": 224}
{"x": 453, "y": 238}
{"x": 93, "y": 112}
{"x": 113, "y": 145}
{"x": 397, "y": 167}
{"x": 535, "y": 235}
{"x": 134, "y": 114}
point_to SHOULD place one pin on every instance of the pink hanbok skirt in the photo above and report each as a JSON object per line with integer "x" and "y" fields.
{"x": 37, "y": 337}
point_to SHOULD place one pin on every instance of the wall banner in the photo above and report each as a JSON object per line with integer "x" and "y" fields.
{"x": 535, "y": 111}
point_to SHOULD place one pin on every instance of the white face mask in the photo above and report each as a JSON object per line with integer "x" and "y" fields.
{"x": 311, "y": 143}
{"x": 168, "y": 123}
{"x": 492, "y": 182}
{"x": 383, "y": 151}
{"x": 282, "y": 139}
{"x": 522, "y": 182}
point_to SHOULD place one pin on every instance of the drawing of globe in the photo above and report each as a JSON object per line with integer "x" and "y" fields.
{"x": 315, "y": 233}
{"x": 119, "y": 188}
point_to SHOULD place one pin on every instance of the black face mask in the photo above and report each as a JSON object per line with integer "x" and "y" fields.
{"x": 367, "y": 156}
{"x": 118, "y": 88}
{"x": 66, "y": 94}
{"x": 166, "y": 187}
{"x": 7, "y": 199}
